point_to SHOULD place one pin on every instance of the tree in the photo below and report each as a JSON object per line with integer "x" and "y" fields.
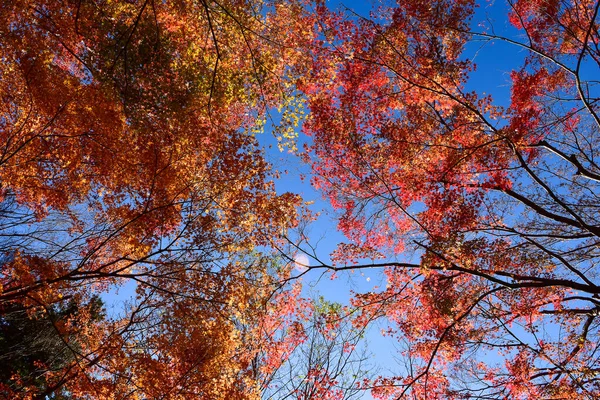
{"x": 129, "y": 153}
{"x": 329, "y": 362}
{"x": 497, "y": 204}
{"x": 33, "y": 345}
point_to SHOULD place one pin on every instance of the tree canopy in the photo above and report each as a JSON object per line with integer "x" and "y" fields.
{"x": 133, "y": 157}
{"x": 129, "y": 154}
{"x": 498, "y": 204}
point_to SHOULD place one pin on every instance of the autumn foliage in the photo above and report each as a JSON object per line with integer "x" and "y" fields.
{"x": 131, "y": 160}
{"x": 496, "y": 201}
{"x": 128, "y": 154}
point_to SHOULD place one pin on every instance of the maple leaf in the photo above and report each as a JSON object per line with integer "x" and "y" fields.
{"x": 129, "y": 154}
{"x": 497, "y": 215}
